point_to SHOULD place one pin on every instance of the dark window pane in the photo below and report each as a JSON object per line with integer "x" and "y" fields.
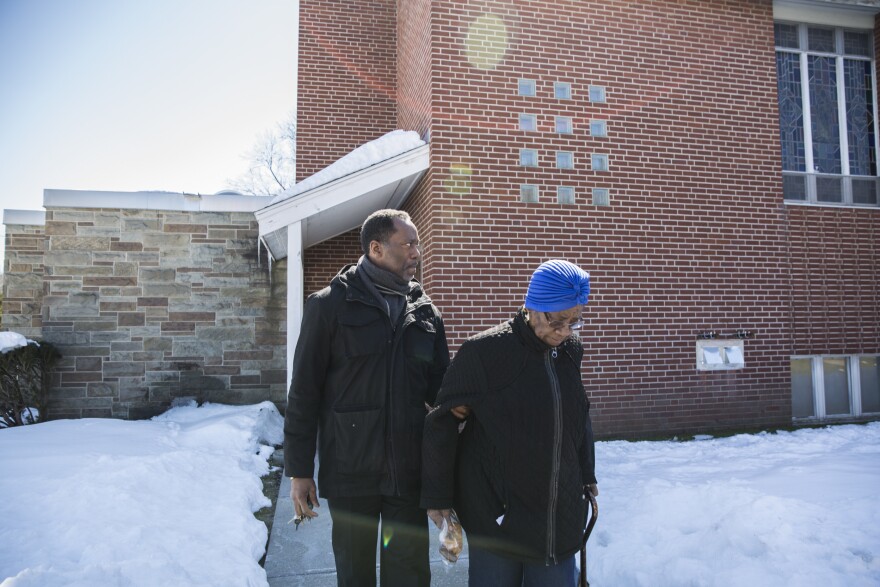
{"x": 860, "y": 117}
{"x": 864, "y": 191}
{"x": 869, "y": 375}
{"x": 794, "y": 187}
{"x": 802, "y": 389}
{"x": 828, "y": 189}
{"x": 791, "y": 113}
{"x": 857, "y": 43}
{"x": 786, "y": 35}
{"x": 836, "y": 386}
{"x": 824, "y": 116}
{"x": 820, "y": 39}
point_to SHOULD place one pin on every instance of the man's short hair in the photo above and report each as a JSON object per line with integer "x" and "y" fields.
{"x": 379, "y": 226}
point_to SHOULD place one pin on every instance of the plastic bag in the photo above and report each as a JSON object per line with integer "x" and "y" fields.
{"x": 451, "y": 542}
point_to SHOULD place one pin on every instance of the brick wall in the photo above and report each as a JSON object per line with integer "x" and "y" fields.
{"x": 696, "y": 237}
{"x": 835, "y": 279}
{"x": 346, "y": 97}
{"x": 693, "y": 239}
{"x": 23, "y": 280}
{"x": 323, "y": 261}
{"x": 415, "y": 62}
{"x": 346, "y": 79}
{"x": 146, "y": 306}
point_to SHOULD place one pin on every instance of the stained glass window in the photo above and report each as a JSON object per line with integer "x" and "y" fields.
{"x": 791, "y": 111}
{"x": 826, "y": 114}
{"x": 859, "y": 117}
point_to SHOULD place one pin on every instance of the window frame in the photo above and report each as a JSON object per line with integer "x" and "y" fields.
{"x": 526, "y": 155}
{"x": 529, "y": 193}
{"x": 565, "y": 195}
{"x": 527, "y": 87}
{"x": 532, "y": 121}
{"x": 599, "y": 125}
{"x": 562, "y": 90}
{"x": 567, "y": 125}
{"x": 854, "y": 385}
{"x": 845, "y": 178}
{"x": 600, "y": 162}
{"x": 564, "y": 160}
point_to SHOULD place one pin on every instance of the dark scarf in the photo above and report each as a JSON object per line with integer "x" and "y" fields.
{"x": 389, "y": 288}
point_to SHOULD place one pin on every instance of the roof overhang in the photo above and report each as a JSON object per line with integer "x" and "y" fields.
{"x": 843, "y": 13}
{"x": 341, "y": 205}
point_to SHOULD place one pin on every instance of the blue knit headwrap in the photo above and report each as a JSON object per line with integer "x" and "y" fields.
{"x": 557, "y": 285}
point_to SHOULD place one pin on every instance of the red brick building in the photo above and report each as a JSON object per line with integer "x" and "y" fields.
{"x": 712, "y": 164}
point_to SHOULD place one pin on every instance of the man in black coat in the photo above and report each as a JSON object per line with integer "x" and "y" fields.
{"x": 370, "y": 357}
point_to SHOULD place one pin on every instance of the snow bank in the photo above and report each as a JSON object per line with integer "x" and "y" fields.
{"x": 163, "y": 502}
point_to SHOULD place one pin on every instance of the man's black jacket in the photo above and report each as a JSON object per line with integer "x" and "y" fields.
{"x": 516, "y": 473}
{"x": 359, "y": 389}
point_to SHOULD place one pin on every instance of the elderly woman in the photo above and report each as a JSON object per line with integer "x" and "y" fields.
{"x": 519, "y": 472}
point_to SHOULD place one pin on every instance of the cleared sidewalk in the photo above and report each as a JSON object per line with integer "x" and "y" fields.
{"x": 304, "y": 557}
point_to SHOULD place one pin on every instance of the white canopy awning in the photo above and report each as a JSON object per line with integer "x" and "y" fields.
{"x": 338, "y": 206}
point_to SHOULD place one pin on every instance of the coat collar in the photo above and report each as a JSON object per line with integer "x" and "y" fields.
{"x": 521, "y": 328}
{"x": 349, "y": 278}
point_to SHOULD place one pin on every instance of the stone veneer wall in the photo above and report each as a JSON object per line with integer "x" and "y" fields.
{"x": 147, "y": 306}
{"x": 23, "y": 279}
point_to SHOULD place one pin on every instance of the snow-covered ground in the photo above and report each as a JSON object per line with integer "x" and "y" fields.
{"x": 167, "y": 502}
{"x": 792, "y": 509}
{"x": 170, "y": 501}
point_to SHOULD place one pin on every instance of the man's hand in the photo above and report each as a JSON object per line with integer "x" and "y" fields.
{"x": 461, "y": 412}
{"x": 592, "y": 489}
{"x": 305, "y": 496}
{"x": 437, "y": 516}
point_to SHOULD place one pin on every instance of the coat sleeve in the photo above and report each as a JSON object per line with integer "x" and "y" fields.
{"x": 306, "y": 392}
{"x": 588, "y": 451}
{"x": 441, "y": 360}
{"x": 464, "y": 384}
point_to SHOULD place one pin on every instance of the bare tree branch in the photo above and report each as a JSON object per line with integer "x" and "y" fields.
{"x": 272, "y": 161}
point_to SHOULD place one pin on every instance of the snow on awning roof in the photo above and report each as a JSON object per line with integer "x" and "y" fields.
{"x": 378, "y": 174}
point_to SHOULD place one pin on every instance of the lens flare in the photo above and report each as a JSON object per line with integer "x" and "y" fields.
{"x": 387, "y": 534}
{"x": 486, "y": 41}
{"x": 459, "y": 179}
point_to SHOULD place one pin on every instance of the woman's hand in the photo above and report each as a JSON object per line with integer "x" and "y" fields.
{"x": 437, "y": 516}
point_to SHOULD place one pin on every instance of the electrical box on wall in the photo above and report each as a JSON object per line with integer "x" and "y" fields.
{"x": 713, "y": 355}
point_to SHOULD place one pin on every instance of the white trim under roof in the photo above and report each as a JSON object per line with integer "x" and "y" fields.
{"x": 338, "y": 206}
{"x": 857, "y": 15}
{"x": 25, "y": 217}
{"x": 154, "y": 201}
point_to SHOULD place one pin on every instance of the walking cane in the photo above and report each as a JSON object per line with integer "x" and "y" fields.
{"x": 593, "y": 516}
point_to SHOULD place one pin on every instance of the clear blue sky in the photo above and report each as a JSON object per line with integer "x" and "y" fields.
{"x": 132, "y": 95}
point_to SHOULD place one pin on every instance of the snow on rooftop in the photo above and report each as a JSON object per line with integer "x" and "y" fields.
{"x": 385, "y": 147}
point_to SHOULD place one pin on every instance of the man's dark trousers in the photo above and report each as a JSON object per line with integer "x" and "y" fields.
{"x": 403, "y": 547}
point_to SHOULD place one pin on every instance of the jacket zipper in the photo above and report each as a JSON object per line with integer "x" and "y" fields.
{"x": 395, "y": 343}
{"x": 557, "y": 449}
{"x": 392, "y": 467}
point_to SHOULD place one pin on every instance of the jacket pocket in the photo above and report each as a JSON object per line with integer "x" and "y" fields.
{"x": 360, "y": 440}
{"x": 420, "y": 341}
{"x": 362, "y": 333}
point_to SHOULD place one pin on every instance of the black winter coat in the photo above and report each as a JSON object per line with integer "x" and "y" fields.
{"x": 360, "y": 389}
{"x": 526, "y": 451}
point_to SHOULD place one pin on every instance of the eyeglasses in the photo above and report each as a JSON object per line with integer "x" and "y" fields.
{"x": 575, "y": 324}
